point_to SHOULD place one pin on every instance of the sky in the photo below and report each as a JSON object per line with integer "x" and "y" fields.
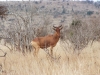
{"x": 38, "y": 0}
{"x": 19, "y": 0}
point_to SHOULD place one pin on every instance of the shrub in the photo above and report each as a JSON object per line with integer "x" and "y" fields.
{"x": 90, "y": 13}
{"x": 3, "y": 10}
{"x": 76, "y": 23}
{"x": 63, "y": 10}
{"x": 42, "y": 6}
{"x": 80, "y": 32}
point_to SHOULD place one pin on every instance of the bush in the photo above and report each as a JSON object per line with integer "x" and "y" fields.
{"x": 82, "y": 32}
{"x": 42, "y": 6}
{"x": 64, "y": 10}
{"x": 76, "y": 23}
{"x": 90, "y": 13}
{"x": 3, "y": 10}
{"x": 77, "y": 34}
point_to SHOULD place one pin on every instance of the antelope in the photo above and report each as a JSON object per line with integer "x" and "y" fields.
{"x": 47, "y": 41}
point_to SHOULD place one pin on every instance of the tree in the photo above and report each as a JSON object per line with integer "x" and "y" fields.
{"x": 3, "y": 10}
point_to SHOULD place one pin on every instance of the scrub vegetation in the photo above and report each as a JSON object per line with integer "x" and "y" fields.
{"x": 76, "y": 53}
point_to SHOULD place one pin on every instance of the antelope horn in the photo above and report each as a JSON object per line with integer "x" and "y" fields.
{"x": 54, "y": 26}
{"x": 60, "y": 26}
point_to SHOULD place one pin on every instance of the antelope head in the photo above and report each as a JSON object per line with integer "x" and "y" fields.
{"x": 57, "y": 29}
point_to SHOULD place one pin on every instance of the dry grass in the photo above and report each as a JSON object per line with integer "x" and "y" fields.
{"x": 87, "y": 63}
{"x": 66, "y": 62}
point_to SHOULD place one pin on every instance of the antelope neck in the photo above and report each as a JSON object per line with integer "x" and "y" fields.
{"x": 57, "y": 35}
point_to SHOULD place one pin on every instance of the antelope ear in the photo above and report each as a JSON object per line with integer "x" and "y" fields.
{"x": 54, "y": 29}
{"x": 60, "y": 26}
{"x": 54, "y": 26}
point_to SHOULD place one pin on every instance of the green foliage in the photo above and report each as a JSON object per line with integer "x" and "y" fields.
{"x": 72, "y": 10}
{"x": 90, "y": 13}
{"x": 76, "y": 23}
{"x": 64, "y": 10}
{"x": 97, "y": 13}
{"x": 43, "y": 6}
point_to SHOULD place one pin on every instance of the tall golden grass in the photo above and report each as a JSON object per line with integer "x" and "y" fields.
{"x": 66, "y": 62}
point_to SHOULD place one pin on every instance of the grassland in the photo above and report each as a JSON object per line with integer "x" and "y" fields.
{"x": 65, "y": 62}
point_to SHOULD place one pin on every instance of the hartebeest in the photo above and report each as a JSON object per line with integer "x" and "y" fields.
{"x": 47, "y": 41}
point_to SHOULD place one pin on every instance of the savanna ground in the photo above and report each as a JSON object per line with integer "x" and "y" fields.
{"x": 65, "y": 62}
{"x": 76, "y": 53}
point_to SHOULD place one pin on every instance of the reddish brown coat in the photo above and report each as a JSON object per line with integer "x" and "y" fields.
{"x": 47, "y": 41}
